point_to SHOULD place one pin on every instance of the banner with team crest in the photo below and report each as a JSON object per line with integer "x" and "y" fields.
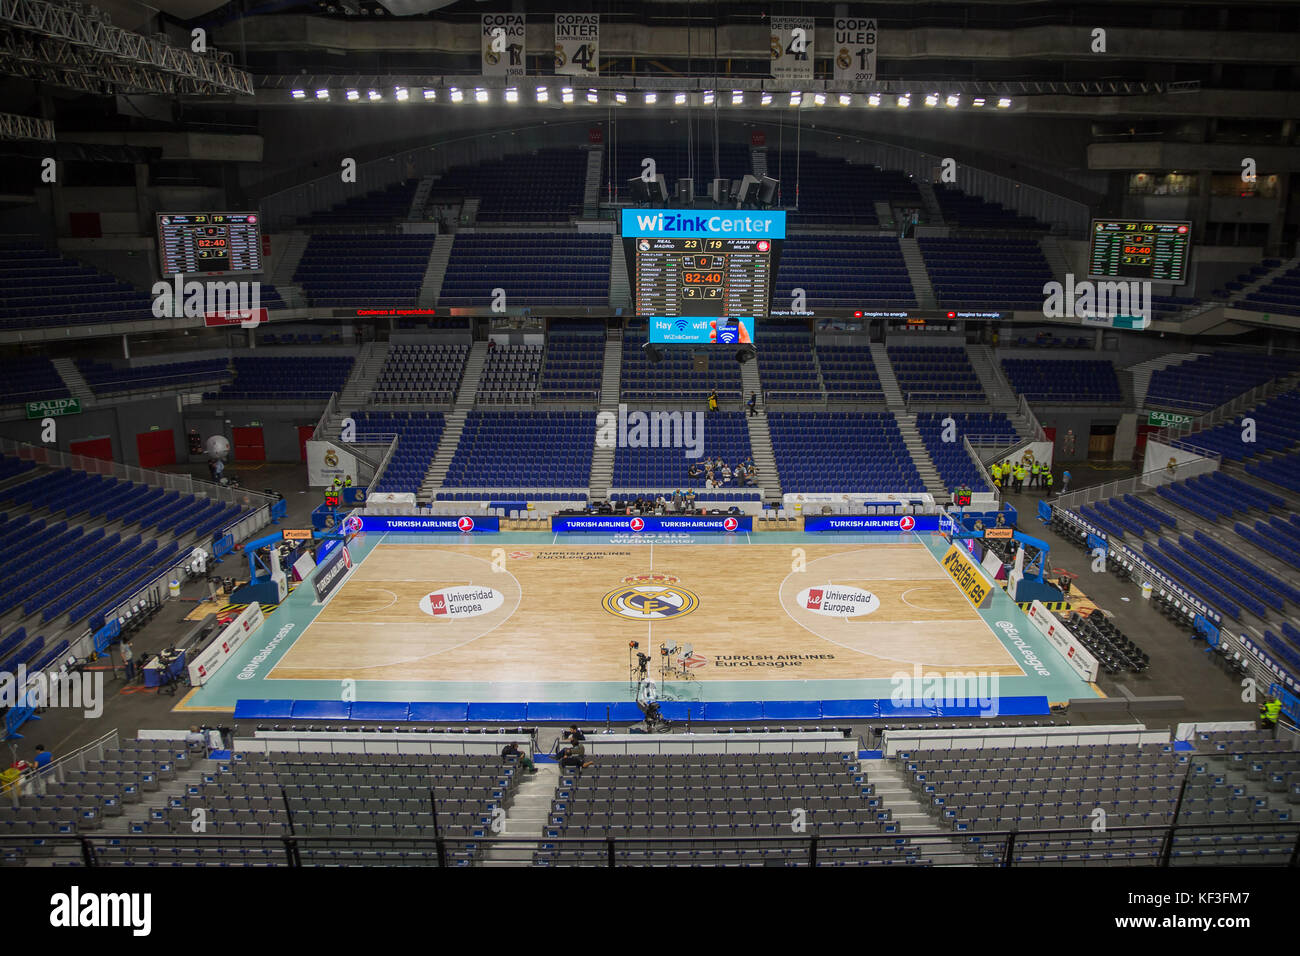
{"x": 854, "y": 52}
{"x": 577, "y": 44}
{"x": 503, "y": 45}
{"x": 792, "y": 48}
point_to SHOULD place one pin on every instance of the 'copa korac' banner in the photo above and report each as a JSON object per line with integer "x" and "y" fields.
{"x": 821, "y": 523}
{"x": 968, "y": 576}
{"x": 636, "y": 524}
{"x": 464, "y": 524}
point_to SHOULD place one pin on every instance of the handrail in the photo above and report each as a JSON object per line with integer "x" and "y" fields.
{"x": 1143, "y": 482}
{"x": 1222, "y": 413}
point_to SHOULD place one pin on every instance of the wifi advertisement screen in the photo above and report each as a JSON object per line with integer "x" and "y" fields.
{"x": 702, "y": 277}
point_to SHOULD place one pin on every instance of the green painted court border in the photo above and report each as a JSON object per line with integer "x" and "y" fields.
{"x": 271, "y": 642}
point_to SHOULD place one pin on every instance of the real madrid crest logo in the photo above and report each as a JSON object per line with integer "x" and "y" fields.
{"x": 331, "y": 458}
{"x": 653, "y": 596}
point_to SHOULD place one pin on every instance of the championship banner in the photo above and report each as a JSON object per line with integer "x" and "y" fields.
{"x": 792, "y": 48}
{"x": 967, "y": 576}
{"x": 214, "y": 656}
{"x": 577, "y": 44}
{"x": 854, "y": 52}
{"x": 652, "y": 524}
{"x": 331, "y": 572}
{"x": 503, "y": 44}
{"x": 463, "y": 524}
{"x": 1080, "y": 661}
{"x": 822, "y": 523}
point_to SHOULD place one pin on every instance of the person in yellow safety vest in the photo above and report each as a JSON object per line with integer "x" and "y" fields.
{"x": 1020, "y": 477}
{"x": 1269, "y": 711}
{"x": 337, "y": 483}
{"x": 1034, "y": 471}
{"x": 347, "y": 482}
{"x": 995, "y": 471}
{"x": 1047, "y": 482}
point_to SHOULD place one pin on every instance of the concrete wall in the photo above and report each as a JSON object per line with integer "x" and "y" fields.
{"x": 121, "y": 423}
{"x": 279, "y": 430}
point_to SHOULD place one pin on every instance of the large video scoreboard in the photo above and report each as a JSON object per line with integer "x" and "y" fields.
{"x": 702, "y": 276}
{"x": 1156, "y": 251}
{"x": 209, "y": 243}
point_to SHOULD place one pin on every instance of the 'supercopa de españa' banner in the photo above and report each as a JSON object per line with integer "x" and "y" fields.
{"x": 577, "y": 44}
{"x": 792, "y": 48}
{"x": 503, "y": 45}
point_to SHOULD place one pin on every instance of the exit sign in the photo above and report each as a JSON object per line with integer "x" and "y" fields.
{"x": 54, "y": 407}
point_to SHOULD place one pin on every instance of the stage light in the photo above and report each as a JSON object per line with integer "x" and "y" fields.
{"x": 796, "y": 98}
{"x": 932, "y": 99}
{"x": 322, "y": 94}
{"x": 819, "y": 99}
{"x": 767, "y": 99}
{"x": 480, "y": 95}
{"x": 873, "y": 99}
{"x": 845, "y": 99}
{"x": 353, "y": 96}
{"x": 512, "y": 95}
{"x": 543, "y": 94}
{"x": 457, "y": 96}
{"x": 566, "y": 94}
{"x": 954, "y": 100}
{"x": 1004, "y": 103}
{"x": 401, "y": 93}
{"x": 593, "y": 96}
{"x": 737, "y": 97}
{"x": 375, "y": 95}
{"x": 651, "y": 98}
{"x": 978, "y": 101}
{"x": 708, "y": 97}
{"x": 620, "y": 98}
{"x": 679, "y": 99}
{"x": 298, "y": 94}
{"x": 905, "y": 101}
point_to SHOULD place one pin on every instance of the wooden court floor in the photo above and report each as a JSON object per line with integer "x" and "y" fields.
{"x": 567, "y": 613}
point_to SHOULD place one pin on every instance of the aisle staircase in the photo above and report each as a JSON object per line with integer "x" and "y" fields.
{"x": 915, "y": 263}
{"x": 888, "y": 381}
{"x": 916, "y": 450}
{"x": 527, "y": 816}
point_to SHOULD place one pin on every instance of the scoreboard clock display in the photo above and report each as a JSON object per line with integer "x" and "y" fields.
{"x": 209, "y": 243}
{"x": 1143, "y": 249}
{"x": 690, "y": 267}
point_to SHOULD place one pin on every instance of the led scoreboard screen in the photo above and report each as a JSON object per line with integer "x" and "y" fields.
{"x": 702, "y": 277}
{"x": 209, "y": 243}
{"x": 1155, "y": 251}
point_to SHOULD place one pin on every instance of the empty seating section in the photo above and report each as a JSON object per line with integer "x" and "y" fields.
{"x": 510, "y": 375}
{"x": 380, "y": 205}
{"x": 786, "y": 366}
{"x": 935, "y": 374}
{"x": 287, "y": 377}
{"x": 421, "y": 373}
{"x": 1064, "y": 381}
{"x": 724, "y": 435}
{"x": 849, "y": 451}
{"x": 1283, "y": 470}
{"x": 1209, "y": 381}
{"x": 1169, "y": 306}
{"x": 972, "y": 212}
{"x": 43, "y": 288}
{"x": 985, "y": 273}
{"x": 843, "y": 272}
{"x": 357, "y": 271}
{"x": 534, "y": 269}
{"x": 951, "y": 460}
{"x": 675, "y": 379}
{"x": 546, "y": 186}
{"x": 574, "y": 362}
{"x": 849, "y": 373}
{"x": 524, "y": 449}
{"x": 1281, "y": 294}
{"x": 31, "y": 379}
{"x": 1277, "y": 427}
{"x": 418, "y": 436}
{"x": 695, "y": 807}
{"x": 834, "y": 191}
{"x": 104, "y": 377}
{"x": 673, "y": 161}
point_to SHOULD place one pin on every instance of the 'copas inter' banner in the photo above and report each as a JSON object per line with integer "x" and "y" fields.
{"x": 854, "y": 52}
{"x": 577, "y": 44}
{"x": 503, "y": 45}
{"x": 792, "y": 48}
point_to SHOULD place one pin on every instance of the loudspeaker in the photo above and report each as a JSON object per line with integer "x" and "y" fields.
{"x": 746, "y": 354}
{"x": 748, "y": 189}
{"x": 767, "y": 190}
{"x": 686, "y": 191}
{"x": 652, "y": 353}
{"x": 718, "y": 190}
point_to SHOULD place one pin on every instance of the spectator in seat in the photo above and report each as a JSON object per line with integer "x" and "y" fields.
{"x": 512, "y": 750}
{"x": 713, "y": 400}
{"x": 690, "y": 501}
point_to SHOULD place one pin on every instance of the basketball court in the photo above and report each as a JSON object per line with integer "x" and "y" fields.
{"x": 525, "y": 616}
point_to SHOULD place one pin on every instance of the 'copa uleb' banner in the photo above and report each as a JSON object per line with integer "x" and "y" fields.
{"x": 854, "y": 52}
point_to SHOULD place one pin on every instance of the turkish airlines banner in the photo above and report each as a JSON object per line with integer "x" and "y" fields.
{"x": 577, "y": 44}
{"x": 653, "y": 524}
{"x": 331, "y": 572}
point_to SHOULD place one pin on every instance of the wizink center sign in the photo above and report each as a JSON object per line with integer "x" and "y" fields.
{"x": 737, "y": 330}
{"x": 676, "y": 224}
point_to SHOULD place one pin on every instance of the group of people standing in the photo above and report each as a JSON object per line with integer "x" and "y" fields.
{"x": 1012, "y": 475}
{"x": 717, "y": 473}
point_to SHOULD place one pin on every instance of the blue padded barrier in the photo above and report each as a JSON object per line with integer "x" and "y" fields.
{"x": 727, "y": 710}
{"x": 380, "y": 710}
{"x": 620, "y": 711}
{"x": 321, "y": 710}
{"x": 438, "y": 712}
{"x": 680, "y": 709}
{"x": 571, "y": 712}
{"x": 263, "y": 709}
{"x": 861, "y": 707}
{"x": 498, "y": 712}
{"x": 789, "y": 710}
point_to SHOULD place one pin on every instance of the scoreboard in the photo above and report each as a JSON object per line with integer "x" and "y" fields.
{"x": 209, "y": 243}
{"x": 1155, "y": 251}
{"x": 688, "y": 265}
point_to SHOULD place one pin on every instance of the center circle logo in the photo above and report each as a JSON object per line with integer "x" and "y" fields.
{"x": 836, "y": 600}
{"x": 460, "y": 601}
{"x": 465, "y": 524}
{"x": 907, "y": 522}
{"x": 650, "y": 597}
{"x": 638, "y": 524}
{"x": 730, "y": 524}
